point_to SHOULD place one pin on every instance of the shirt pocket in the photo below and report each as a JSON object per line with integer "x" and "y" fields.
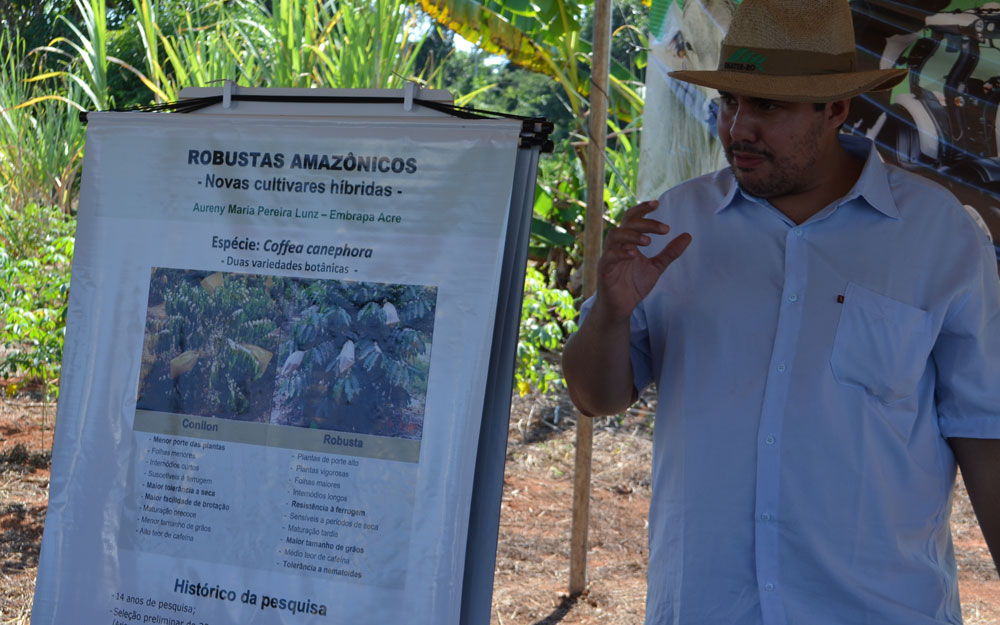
{"x": 881, "y": 345}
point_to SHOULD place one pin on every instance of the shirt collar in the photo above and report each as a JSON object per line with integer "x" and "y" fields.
{"x": 872, "y": 185}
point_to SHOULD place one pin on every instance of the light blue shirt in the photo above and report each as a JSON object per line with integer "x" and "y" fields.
{"x": 808, "y": 378}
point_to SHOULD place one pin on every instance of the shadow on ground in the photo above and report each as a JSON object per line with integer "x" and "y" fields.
{"x": 560, "y": 612}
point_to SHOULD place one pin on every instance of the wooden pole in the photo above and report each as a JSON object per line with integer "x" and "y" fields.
{"x": 593, "y": 240}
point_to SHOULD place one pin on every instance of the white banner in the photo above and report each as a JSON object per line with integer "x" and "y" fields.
{"x": 276, "y": 353}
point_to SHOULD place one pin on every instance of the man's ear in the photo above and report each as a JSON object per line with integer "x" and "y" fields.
{"x": 836, "y": 112}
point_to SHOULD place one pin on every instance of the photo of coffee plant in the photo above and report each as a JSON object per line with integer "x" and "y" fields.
{"x": 209, "y": 344}
{"x": 325, "y": 354}
{"x": 356, "y": 358}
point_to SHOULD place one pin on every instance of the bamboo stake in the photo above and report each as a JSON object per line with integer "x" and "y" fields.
{"x": 593, "y": 241}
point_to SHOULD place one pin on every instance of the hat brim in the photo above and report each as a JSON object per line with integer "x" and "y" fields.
{"x": 815, "y": 88}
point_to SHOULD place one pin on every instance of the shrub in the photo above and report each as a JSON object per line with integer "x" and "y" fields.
{"x": 547, "y": 318}
{"x": 36, "y": 248}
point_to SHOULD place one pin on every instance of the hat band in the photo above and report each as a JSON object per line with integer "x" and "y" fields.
{"x": 784, "y": 62}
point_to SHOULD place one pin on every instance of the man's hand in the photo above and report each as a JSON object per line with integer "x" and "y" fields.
{"x": 624, "y": 275}
{"x": 596, "y": 360}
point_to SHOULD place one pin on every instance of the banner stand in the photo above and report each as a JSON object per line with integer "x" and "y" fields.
{"x": 438, "y": 504}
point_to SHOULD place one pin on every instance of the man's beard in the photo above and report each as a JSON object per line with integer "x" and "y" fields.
{"x": 788, "y": 176}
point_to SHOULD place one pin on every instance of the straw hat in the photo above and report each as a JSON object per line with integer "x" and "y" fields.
{"x": 792, "y": 50}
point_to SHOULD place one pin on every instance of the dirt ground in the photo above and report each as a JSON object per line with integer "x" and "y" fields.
{"x": 532, "y": 568}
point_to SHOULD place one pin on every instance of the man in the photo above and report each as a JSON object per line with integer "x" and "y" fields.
{"x": 825, "y": 340}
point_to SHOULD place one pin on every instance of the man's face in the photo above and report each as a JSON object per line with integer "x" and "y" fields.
{"x": 773, "y": 147}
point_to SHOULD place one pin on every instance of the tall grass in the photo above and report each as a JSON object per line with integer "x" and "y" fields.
{"x": 40, "y": 145}
{"x": 90, "y": 46}
{"x": 81, "y": 61}
{"x": 198, "y": 54}
{"x": 296, "y": 43}
{"x": 373, "y": 47}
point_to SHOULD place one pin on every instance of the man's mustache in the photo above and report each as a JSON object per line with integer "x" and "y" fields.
{"x": 746, "y": 148}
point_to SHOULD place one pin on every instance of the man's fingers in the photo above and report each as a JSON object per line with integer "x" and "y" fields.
{"x": 646, "y": 225}
{"x": 640, "y": 209}
{"x": 634, "y": 219}
{"x": 625, "y": 237}
{"x": 623, "y": 243}
{"x": 672, "y": 251}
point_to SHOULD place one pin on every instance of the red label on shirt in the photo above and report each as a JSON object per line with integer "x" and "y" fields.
{"x": 840, "y": 299}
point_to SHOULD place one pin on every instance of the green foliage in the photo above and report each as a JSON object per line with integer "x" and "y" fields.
{"x": 155, "y": 48}
{"x": 622, "y": 167}
{"x": 209, "y": 338}
{"x": 547, "y": 318}
{"x": 545, "y": 37}
{"x": 36, "y": 22}
{"x": 282, "y": 43}
{"x": 40, "y": 145}
{"x": 364, "y": 345}
{"x": 91, "y": 47}
{"x": 40, "y": 149}
{"x": 374, "y": 45}
{"x": 36, "y": 248}
{"x": 522, "y": 92}
{"x": 78, "y": 60}
{"x": 194, "y": 55}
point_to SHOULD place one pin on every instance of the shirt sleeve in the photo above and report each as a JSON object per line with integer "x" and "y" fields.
{"x": 642, "y": 364}
{"x": 642, "y": 361}
{"x": 967, "y": 356}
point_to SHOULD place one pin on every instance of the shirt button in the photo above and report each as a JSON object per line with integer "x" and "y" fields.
{"x": 769, "y": 586}
{"x": 781, "y": 368}
{"x": 770, "y": 440}
{"x": 798, "y": 232}
{"x": 793, "y": 298}
{"x": 765, "y": 517}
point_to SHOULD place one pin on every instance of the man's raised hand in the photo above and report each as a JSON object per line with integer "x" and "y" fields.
{"x": 624, "y": 274}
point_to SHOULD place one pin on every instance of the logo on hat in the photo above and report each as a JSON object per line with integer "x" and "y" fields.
{"x": 745, "y": 60}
